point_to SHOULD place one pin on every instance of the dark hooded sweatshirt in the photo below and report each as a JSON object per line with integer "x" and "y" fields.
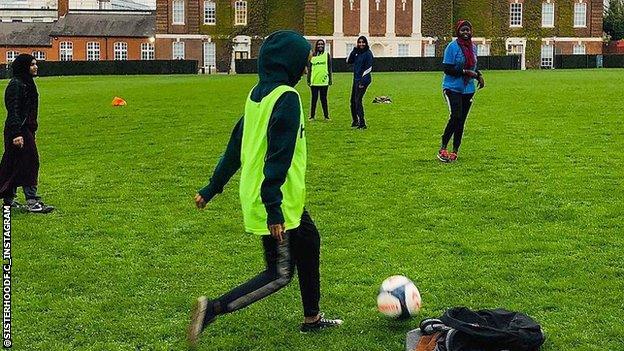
{"x": 282, "y": 60}
{"x": 20, "y": 166}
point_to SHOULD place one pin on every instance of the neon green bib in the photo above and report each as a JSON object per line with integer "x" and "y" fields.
{"x": 253, "y": 153}
{"x": 320, "y": 70}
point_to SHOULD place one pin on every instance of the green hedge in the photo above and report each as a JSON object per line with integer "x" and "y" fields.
{"x": 576, "y": 61}
{"x": 402, "y": 64}
{"x": 79, "y": 68}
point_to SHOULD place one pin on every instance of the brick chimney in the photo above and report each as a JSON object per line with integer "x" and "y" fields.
{"x": 63, "y": 8}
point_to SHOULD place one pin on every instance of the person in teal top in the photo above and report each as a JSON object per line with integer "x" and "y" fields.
{"x": 268, "y": 145}
{"x": 320, "y": 77}
{"x": 460, "y": 73}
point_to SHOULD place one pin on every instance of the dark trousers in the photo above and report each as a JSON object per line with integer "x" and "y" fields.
{"x": 301, "y": 249}
{"x": 357, "y": 109}
{"x": 315, "y": 94}
{"x": 459, "y": 106}
{"x": 30, "y": 193}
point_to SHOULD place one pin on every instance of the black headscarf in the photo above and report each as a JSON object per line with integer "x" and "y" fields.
{"x": 366, "y": 48}
{"x": 21, "y": 69}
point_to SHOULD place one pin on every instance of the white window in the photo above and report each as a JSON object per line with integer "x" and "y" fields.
{"x": 39, "y": 55}
{"x": 580, "y": 15}
{"x": 547, "y": 56}
{"x": 210, "y": 54}
{"x": 240, "y": 13}
{"x": 178, "y": 11}
{"x": 483, "y": 49}
{"x": 403, "y": 3}
{"x": 147, "y": 51}
{"x": 93, "y": 51}
{"x": 429, "y": 50}
{"x": 328, "y": 48}
{"x": 548, "y": 15}
{"x": 578, "y": 49}
{"x": 377, "y": 4}
{"x": 515, "y": 15}
{"x": 11, "y": 56}
{"x": 351, "y": 3}
{"x": 178, "y": 50}
{"x": 210, "y": 12}
{"x": 121, "y": 51}
{"x": 350, "y": 48}
{"x": 403, "y": 50}
{"x": 66, "y": 51}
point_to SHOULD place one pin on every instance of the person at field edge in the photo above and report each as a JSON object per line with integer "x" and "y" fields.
{"x": 20, "y": 161}
{"x": 268, "y": 144}
{"x": 362, "y": 59}
{"x": 460, "y": 73}
{"x": 320, "y": 77}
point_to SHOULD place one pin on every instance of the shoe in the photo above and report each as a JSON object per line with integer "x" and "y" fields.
{"x": 362, "y": 127}
{"x": 199, "y": 320}
{"x": 39, "y": 207}
{"x": 327, "y": 119}
{"x": 354, "y": 125}
{"x": 15, "y": 205}
{"x": 452, "y": 156}
{"x": 321, "y": 323}
{"x": 311, "y": 118}
{"x": 443, "y": 155}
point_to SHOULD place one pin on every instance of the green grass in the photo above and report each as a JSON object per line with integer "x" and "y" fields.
{"x": 529, "y": 218}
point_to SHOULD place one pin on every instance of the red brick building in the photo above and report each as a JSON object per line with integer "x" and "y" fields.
{"x": 82, "y": 36}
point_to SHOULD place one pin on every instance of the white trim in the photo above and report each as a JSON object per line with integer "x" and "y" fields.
{"x": 575, "y": 39}
{"x": 339, "y": 44}
{"x": 390, "y": 18}
{"x": 417, "y": 18}
{"x": 338, "y": 13}
{"x": 364, "y": 9}
{"x": 182, "y": 36}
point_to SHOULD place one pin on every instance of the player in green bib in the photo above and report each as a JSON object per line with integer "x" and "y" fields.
{"x": 320, "y": 77}
{"x": 268, "y": 145}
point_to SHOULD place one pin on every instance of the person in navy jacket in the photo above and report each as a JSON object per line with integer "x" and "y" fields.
{"x": 460, "y": 73}
{"x": 362, "y": 60}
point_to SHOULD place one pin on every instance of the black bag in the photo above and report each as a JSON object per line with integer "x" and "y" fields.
{"x": 486, "y": 330}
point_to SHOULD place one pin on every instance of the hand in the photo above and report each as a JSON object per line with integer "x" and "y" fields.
{"x": 470, "y": 73}
{"x": 19, "y": 142}
{"x": 481, "y": 82}
{"x": 277, "y": 232}
{"x": 199, "y": 201}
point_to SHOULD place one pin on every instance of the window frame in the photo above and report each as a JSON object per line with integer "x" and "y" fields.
{"x": 93, "y": 52}
{"x": 240, "y": 13}
{"x": 148, "y": 52}
{"x": 210, "y": 20}
{"x": 547, "y": 61}
{"x": 122, "y": 50}
{"x": 551, "y": 15}
{"x": 173, "y": 50}
{"x": 178, "y": 13}
{"x": 66, "y": 53}
{"x": 511, "y": 14}
{"x": 577, "y": 15}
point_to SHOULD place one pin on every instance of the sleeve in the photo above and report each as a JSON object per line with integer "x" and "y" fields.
{"x": 228, "y": 164}
{"x": 330, "y": 68}
{"x": 351, "y": 57}
{"x": 12, "y": 96}
{"x": 281, "y": 136}
{"x": 449, "y": 55}
{"x": 367, "y": 69}
{"x": 452, "y": 70}
{"x": 309, "y": 72}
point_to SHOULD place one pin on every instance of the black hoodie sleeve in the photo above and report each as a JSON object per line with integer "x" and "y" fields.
{"x": 351, "y": 58}
{"x": 309, "y": 72}
{"x": 281, "y": 136}
{"x": 12, "y": 96}
{"x": 451, "y": 70}
{"x": 228, "y": 164}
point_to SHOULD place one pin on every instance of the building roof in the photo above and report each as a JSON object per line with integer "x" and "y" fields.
{"x": 25, "y": 34}
{"x": 80, "y": 24}
{"x": 106, "y": 24}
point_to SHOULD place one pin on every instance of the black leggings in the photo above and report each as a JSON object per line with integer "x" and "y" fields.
{"x": 315, "y": 95}
{"x": 459, "y": 106}
{"x": 357, "y": 109}
{"x": 301, "y": 249}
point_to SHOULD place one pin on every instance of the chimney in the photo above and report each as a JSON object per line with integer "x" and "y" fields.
{"x": 63, "y": 8}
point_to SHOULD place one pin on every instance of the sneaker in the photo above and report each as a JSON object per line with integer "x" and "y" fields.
{"x": 354, "y": 125}
{"x": 199, "y": 320}
{"x": 327, "y": 118}
{"x": 321, "y": 323}
{"x": 311, "y": 118}
{"x": 362, "y": 127}
{"x": 452, "y": 156}
{"x": 15, "y": 205}
{"x": 443, "y": 155}
{"x": 39, "y": 207}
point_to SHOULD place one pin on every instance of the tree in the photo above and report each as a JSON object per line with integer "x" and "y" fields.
{"x": 613, "y": 23}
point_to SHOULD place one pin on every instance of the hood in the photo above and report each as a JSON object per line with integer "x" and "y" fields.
{"x": 283, "y": 57}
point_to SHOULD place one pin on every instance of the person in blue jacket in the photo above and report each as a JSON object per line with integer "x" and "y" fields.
{"x": 460, "y": 73}
{"x": 362, "y": 59}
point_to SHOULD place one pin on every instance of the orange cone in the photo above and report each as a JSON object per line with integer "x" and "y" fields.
{"x": 117, "y": 101}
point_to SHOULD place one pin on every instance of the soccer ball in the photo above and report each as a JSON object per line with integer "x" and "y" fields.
{"x": 398, "y": 297}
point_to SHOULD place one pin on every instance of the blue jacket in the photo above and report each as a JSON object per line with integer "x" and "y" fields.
{"x": 362, "y": 66}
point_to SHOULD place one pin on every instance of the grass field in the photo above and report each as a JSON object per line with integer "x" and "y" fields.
{"x": 529, "y": 218}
